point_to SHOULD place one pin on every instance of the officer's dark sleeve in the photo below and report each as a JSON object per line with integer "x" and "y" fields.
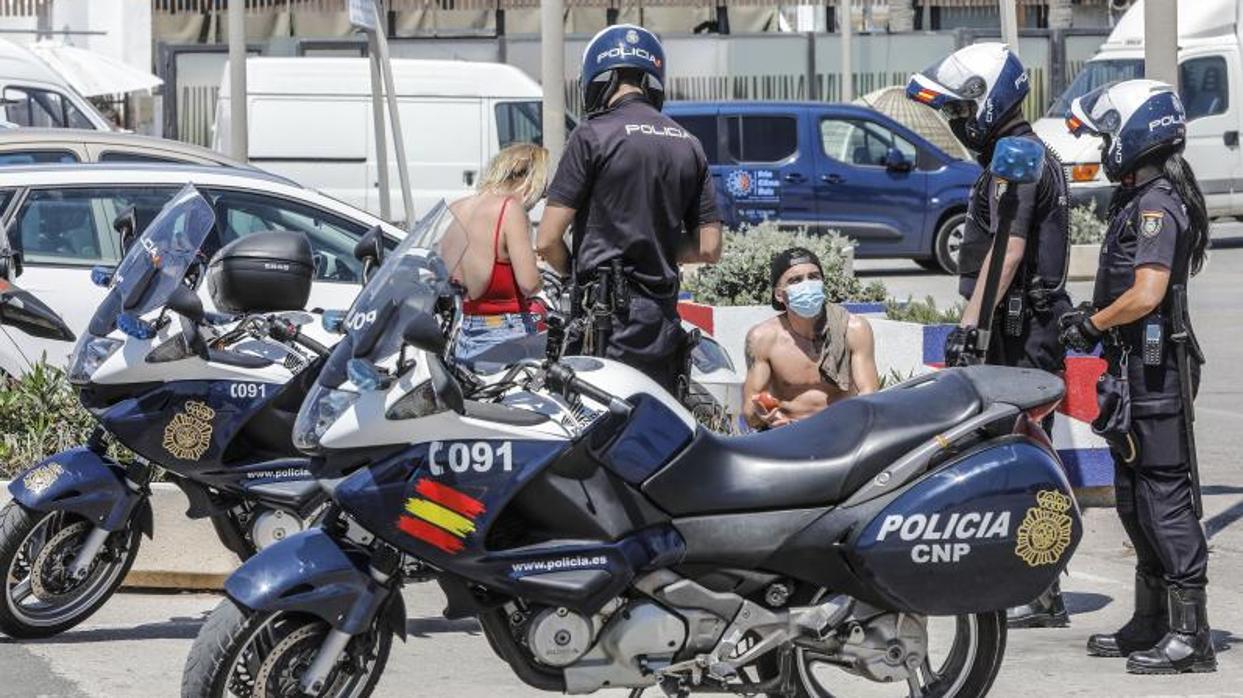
{"x": 1158, "y": 225}
{"x": 1024, "y": 214}
{"x": 703, "y": 211}
{"x": 571, "y": 186}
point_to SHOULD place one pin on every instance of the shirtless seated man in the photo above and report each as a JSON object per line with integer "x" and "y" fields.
{"x": 786, "y": 354}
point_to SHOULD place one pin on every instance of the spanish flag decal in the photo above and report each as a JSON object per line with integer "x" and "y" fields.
{"x": 439, "y": 516}
{"x": 926, "y": 96}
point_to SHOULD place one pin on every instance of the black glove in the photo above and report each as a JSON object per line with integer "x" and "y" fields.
{"x": 1078, "y": 332}
{"x": 960, "y": 349}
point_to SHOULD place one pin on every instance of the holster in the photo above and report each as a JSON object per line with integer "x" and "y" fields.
{"x": 1113, "y": 423}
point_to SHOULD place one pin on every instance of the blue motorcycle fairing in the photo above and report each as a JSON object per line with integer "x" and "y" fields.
{"x": 186, "y": 426}
{"x": 409, "y": 499}
{"x": 82, "y": 482}
{"x": 990, "y": 530}
{"x": 309, "y": 572}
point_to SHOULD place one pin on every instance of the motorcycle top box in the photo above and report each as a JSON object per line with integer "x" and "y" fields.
{"x": 262, "y": 273}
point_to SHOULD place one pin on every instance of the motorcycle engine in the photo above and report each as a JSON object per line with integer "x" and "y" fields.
{"x": 273, "y": 525}
{"x": 559, "y": 637}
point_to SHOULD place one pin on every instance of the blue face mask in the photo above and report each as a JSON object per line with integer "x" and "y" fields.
{"x": 806, "y": 298}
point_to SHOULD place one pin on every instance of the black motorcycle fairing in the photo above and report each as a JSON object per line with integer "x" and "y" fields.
{"x": 741, "y": 540}
{"x": 817, "y": 461}
{"x": 596, "y": 506}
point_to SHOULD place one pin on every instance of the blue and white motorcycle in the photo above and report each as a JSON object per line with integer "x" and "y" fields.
{"x": 210, "y": 399}
{"x": 603, "y": 539}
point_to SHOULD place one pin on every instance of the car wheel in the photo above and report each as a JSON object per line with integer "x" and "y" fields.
{"x": 948, "y": 242}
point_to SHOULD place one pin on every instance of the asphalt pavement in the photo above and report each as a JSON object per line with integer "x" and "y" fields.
{"x": 136, "y": 645}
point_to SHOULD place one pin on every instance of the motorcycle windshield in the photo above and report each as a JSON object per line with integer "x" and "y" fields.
{"x": 158, "y": 260}
{"x": 412, "y": 279}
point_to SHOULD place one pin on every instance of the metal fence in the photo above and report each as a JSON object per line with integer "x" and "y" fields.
{"x": 701, "y": 67}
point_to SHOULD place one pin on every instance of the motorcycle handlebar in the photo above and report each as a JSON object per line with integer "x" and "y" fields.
{"x": 562, "y": 379}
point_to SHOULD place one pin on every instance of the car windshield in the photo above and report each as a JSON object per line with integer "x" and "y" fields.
{"x": 413, "y": 277}
{"x": 1094, "y": 75}
{"x": 158, "y": 260}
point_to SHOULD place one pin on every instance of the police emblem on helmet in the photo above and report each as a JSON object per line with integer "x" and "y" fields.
{"x": 1044, "y": 534}
{"x": 632, "y": 37}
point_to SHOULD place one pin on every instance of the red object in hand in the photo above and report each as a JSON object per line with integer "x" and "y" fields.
{"x": 766, "y": 400}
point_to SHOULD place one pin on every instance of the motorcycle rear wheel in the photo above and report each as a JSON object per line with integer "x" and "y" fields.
{"x": 964, "y": 669}
{"x": 241, "y": 653}
{"x": 49, "y": 605}
{"x": 969, "y": 667}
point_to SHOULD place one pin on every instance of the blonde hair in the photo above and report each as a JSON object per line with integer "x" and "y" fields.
{"x": 520, "y": 169}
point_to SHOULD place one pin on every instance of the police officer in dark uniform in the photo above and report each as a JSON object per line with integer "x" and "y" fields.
{"x": 1157, "y": 238}
{"x": 637, "y": 188}
{"x": 980, "y": 90}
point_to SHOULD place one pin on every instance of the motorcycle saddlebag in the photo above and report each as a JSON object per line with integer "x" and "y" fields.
{"x": 988, "y": 530}
{"x": 262, "y": 273}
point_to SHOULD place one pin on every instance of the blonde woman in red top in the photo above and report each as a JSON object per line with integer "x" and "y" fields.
{"x": 498, "y": 270}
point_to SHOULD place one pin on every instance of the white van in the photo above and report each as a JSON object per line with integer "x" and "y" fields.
{"x": 310, "y": 120}
{"x": 1210, "y": 84}
{"x": 35, "y": 95}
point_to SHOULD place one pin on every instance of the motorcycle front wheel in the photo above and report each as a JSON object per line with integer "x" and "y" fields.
{"x": 36, "y": 549}
{"x": 241, "y": 653}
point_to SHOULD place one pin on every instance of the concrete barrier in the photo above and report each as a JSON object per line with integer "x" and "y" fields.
{"x": 183, "y": 554}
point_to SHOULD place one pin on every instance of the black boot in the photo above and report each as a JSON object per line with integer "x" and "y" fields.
{"x": 1147, "y": 626}
{"x": 1046, "y": 611}
{"x": 1187, "y": 646}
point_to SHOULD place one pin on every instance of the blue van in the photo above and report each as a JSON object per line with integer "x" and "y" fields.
{"x": 834, "y": 166}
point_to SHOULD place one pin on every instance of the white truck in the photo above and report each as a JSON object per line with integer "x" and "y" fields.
{"x": 310, "y": 120}
{"x": 1211, "y": 86}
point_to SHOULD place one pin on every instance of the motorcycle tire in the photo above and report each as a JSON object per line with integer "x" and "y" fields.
{"x": 228, "y": 634}
{"x": 44, "y": 619}
{"x": 968, "y": 677}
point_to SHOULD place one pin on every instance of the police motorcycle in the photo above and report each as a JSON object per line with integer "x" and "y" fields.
{"x": 209, "y": 398}
{"x": 604, "y": 540}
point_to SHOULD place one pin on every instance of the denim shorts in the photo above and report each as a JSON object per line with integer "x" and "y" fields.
{"x": 490, "y": 343}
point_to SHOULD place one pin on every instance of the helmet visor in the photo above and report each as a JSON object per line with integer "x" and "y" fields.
{"x": 1095, "y": 113}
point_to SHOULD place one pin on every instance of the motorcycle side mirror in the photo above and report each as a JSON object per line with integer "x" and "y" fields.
{"x": 126, "y": 225}
{"x": 22, "y": 311}
{"x": 185, "y": 302}
{"x": 895, "y": 161}
{"x": 423, "y": 332}
{"x": 370, "y": 250}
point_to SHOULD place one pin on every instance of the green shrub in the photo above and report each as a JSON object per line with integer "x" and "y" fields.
{"x": 741, "y": 277}
{"x": 39, "y": 415}
{"x": 1086, "y": 227}
{"x": 923, "y": 312}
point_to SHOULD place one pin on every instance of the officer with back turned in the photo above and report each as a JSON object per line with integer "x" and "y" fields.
{"x": 980, "y": 90}
{"x": 637, "y": 189}
{"x": 1157, "y": 238}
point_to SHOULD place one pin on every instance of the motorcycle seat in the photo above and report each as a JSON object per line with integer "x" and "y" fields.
{"x": 817, "y": 461}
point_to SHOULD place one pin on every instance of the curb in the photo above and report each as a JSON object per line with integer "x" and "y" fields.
{"x": 184, "y": 554}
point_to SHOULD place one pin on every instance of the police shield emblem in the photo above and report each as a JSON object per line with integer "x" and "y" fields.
{"x": 1152, "y": 222}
